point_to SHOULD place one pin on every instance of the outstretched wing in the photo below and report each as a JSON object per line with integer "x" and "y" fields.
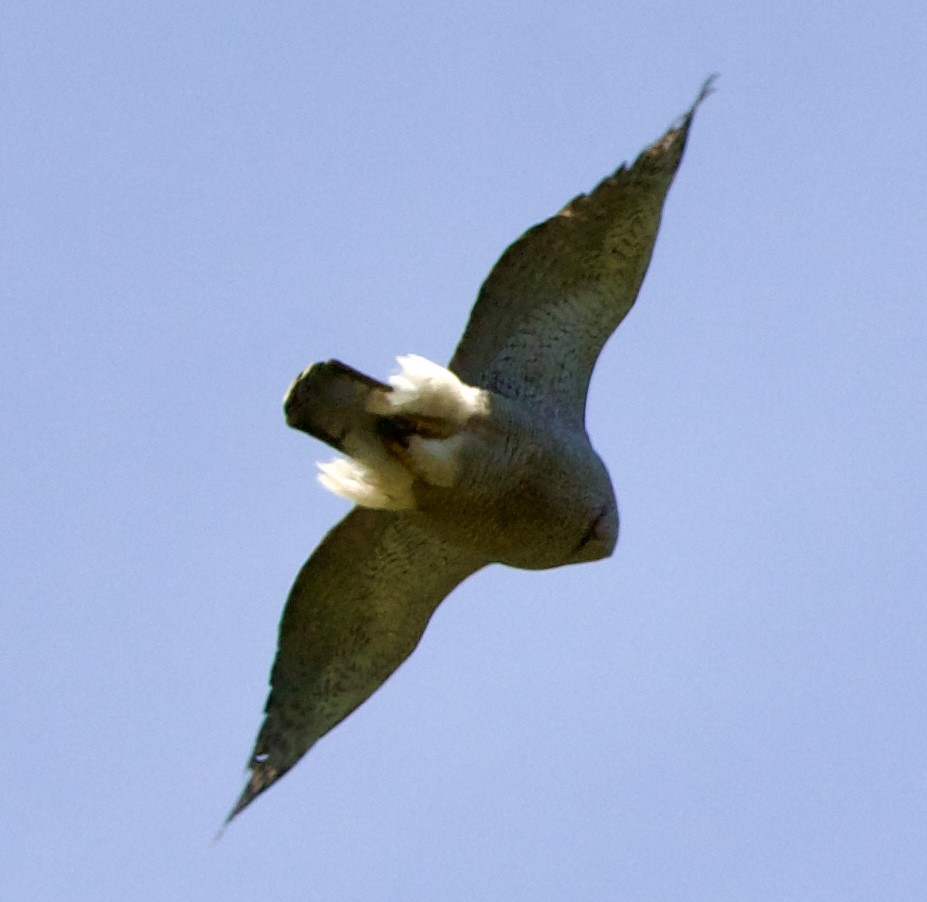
{"x": 356, "y": 611}
{"x": 558, "y": 293}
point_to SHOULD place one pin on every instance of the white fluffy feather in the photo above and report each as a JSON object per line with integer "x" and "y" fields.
{"x": 386, "y": 486}
{"x": 429, "y": 390}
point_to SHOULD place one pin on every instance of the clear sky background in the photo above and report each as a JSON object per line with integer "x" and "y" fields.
{"x": 199, "y": 199}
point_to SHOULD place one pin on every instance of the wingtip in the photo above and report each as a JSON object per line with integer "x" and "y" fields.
{"x": 244, "y": 800}
{"x": 237, "y": 808}
{"x": 708, "y": 88}
{"x": 261, "y": 777}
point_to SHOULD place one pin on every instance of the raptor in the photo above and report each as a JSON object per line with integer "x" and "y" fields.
{"x": 450, "y": 469}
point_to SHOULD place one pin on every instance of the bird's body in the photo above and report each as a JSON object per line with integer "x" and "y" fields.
{"x": 445, "y": 453}
{"x": 487, "y": 461}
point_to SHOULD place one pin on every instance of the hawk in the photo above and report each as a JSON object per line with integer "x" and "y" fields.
{"x": 451, "y": 469}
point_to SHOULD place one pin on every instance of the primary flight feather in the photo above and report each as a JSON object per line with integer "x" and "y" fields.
{"x": 484, "y": 462}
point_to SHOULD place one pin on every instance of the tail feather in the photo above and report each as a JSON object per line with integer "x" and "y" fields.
{"x": 329, "y": 401}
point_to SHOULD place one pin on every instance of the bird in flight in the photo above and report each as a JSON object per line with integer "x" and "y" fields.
{"x": 450, "y": 469}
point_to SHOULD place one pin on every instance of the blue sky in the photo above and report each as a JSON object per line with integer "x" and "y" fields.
{"x": 200, "y": 199}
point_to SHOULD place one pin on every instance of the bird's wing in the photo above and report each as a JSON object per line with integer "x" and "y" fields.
{"x": 558, "y": 293}
{"x": 356, "y": 611}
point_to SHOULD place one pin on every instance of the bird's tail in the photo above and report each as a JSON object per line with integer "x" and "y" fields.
{"x": 392, "y": 434}
{"x": 329, "y": 401}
